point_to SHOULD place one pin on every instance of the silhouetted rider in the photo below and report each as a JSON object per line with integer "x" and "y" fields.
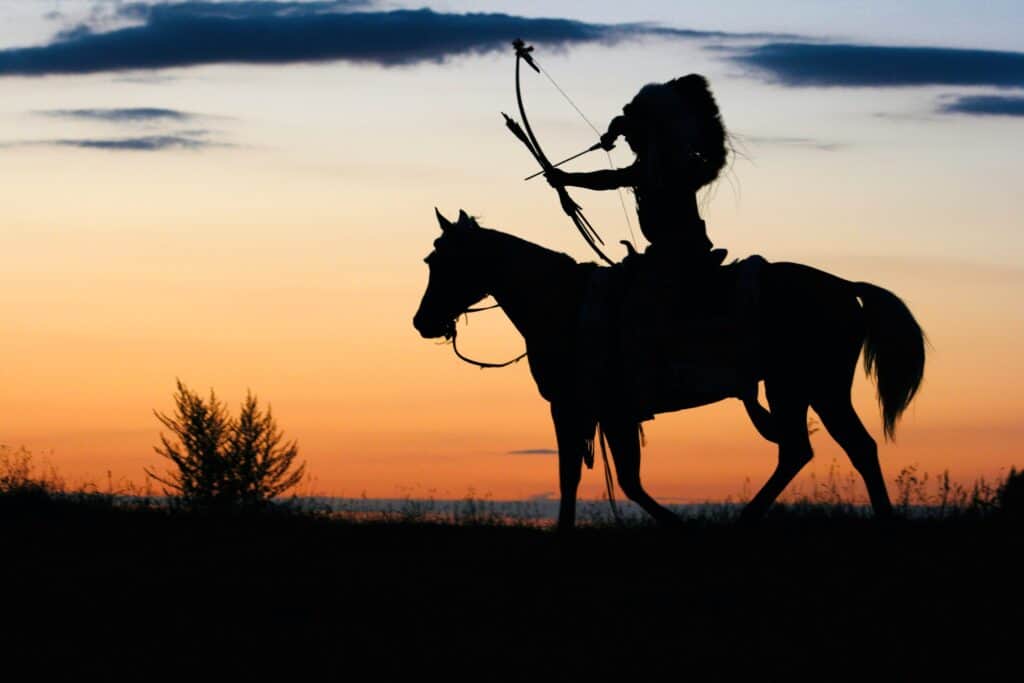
{"x": 677, "y": 134}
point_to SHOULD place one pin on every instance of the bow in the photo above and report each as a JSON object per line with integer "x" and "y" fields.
{"x": 527, "y": 137}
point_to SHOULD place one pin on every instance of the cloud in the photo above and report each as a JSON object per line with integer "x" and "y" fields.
{"x": 146, "y": 143}
{"x": 985, "y": 105}
{"x": 122, "y": 115}
{"x": 144, "y": 36}
{"x": 669, "y": 32}
{"x": 243, "y": 9}
{"x": 534, "y": 451}
{"x": 822, "y": 64}
{"x": 146, "y": 129}
{"x": 145, "y": 78}
{"x": 786, "y": 141}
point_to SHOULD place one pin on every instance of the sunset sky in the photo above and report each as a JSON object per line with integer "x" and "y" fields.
{"x": 240, "y": 195}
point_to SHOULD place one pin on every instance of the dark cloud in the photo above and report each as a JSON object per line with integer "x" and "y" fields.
{"x": 192, "y": 33}
{"x": 73, "y": 33}
{"x": 122, "y": 115}
{"x": 985, "y": 105}
{"x": 534, "y": 451}
{"x": 148, "y": 143}
{"x": 189, "y": 34}
{"x": 810, "y": 64}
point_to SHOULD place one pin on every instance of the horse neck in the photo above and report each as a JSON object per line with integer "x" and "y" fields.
{"x": 536, "y": 287}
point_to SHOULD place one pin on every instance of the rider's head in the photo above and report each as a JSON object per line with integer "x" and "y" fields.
{"x": 679, "y": 121}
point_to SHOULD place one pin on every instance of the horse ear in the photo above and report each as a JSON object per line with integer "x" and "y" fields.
{"x": 464, "y": 219}
{"x": 444, "y": 222}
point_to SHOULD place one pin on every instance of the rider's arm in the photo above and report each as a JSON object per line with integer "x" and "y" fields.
{"x": 595, "y": 180}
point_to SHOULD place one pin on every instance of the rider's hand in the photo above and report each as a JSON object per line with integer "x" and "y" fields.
{"x": 616, "y": 128}
{"x": 557, "y": 177}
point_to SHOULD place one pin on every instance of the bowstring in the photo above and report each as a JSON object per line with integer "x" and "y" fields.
{"x": 622, "y": 200}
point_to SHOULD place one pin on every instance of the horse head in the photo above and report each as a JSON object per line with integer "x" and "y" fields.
{"x": 456, "y": 277}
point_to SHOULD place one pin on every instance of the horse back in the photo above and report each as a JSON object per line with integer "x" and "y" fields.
{"x": 799, "y": 301}
{"x": 691, "y": 342}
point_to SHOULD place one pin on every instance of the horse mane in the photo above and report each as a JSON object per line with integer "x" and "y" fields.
{"x": 518, "y": 248}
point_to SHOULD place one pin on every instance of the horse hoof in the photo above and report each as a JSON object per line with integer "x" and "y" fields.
{"x": 748, "y": 519}
{"x": 672, "y": 522}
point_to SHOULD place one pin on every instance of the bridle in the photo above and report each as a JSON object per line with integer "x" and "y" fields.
{"x": 455, "y": 346}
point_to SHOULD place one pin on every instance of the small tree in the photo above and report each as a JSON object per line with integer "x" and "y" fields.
{"x": 1010, "y": 496}
{"x": 259, "y": 458}
{"x": 221, "y": 462}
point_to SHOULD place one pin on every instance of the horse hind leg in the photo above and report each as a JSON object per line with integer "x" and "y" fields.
{"x": 624, "y": 442}
{"x": 844, "y": 425}
{"x": 794, "y": 452}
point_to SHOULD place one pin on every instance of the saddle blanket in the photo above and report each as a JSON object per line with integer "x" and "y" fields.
{"x": 668, "y": 345}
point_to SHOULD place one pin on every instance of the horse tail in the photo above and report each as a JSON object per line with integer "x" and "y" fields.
{"x": 894, "y": 351}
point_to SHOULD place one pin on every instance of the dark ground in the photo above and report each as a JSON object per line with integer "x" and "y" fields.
{"x": 146, "y": 594}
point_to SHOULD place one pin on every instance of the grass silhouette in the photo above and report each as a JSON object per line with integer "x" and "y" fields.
{"x": 115, "y": 583}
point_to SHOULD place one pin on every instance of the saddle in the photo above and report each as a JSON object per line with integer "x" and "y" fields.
{"x": 658, "y": 340}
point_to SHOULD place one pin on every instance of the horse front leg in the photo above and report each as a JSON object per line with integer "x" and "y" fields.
{"x": 624, "y": 440}
{"x": 572, "y": 445}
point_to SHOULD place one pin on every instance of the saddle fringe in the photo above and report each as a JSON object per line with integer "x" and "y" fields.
{"x": 608, "y": 482}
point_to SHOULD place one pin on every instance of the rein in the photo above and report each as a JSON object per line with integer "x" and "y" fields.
{"x": 480, "y": 364}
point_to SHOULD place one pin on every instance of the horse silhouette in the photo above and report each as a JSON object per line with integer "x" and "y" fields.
{"x": 810, "y": 326}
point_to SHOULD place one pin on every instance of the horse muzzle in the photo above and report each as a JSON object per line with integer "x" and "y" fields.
{"x": 432, "y": 329}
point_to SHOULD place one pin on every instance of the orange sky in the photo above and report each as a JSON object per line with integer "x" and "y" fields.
{"x": 289, "y": 262}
